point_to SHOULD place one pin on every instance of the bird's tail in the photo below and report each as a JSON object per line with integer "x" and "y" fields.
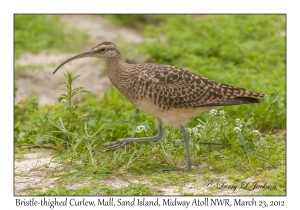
{"x": 237, "y": 96}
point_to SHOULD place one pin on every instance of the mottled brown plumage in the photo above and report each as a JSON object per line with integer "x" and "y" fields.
{"x": 171, "y": 94}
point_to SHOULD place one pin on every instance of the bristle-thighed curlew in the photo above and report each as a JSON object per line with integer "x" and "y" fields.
{"x": 171, "y": 94}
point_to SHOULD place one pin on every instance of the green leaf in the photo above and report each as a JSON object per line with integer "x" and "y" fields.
{"x": 40, "y": 139}
{"x": 60, "y": 99}
{"x": 177, "y": 142}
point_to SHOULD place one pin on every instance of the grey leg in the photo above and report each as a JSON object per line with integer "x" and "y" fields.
{"x": 188, "y": 164}
{"x": 122, "y": 142}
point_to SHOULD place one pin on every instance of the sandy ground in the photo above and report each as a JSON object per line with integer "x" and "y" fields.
{"x": 38, "y": 171}
{"x": 34, "y": 172}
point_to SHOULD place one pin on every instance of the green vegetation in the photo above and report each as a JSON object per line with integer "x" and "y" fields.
{"x": 135, "y": 21}
{"x": 35, "y": 33}
{"x": 241, "y": 50}
{"x": 96, "y": 189}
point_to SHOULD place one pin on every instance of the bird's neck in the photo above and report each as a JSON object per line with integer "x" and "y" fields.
{"x": 117, "y": 66}
{"x": 119, "y": 71}
{"x": 116, "y": 61}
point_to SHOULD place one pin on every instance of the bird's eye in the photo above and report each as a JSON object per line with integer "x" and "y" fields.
{"x": 102, "y": 49}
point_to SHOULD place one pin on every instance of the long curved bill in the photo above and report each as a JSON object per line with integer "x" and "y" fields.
{"x": 82, "y": 55}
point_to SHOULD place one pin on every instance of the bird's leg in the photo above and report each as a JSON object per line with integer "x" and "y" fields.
{"x": 122, "y": 142}
{"x": 188, "y": 164}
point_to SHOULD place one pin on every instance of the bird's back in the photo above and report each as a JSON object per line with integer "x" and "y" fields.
{"x": 171, "y": 88}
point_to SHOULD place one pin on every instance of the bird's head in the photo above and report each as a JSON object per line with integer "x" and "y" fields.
{"x": 103, "y": 50}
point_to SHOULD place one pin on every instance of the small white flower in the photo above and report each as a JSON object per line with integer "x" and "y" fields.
{"x": 238, "y": 122}
{"x": 140, "y": 128}
{"x": 195, "y": 131}
{"x": 221, "y": 112}
{"x": 237, "y": 129}
{"x": 213, "y": 112}
{"x": 256, "y": 132}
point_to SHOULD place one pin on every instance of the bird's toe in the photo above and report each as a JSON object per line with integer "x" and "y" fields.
{"x": 115, "y": 145}
{"x": 187, "y": 167}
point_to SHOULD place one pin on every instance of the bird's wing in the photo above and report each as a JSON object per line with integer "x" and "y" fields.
{"x": 173, "y": 87}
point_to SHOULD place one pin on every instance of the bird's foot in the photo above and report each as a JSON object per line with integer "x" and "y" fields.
{"x": 187, "y": 167}
{"x": 116, "y": 144}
